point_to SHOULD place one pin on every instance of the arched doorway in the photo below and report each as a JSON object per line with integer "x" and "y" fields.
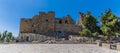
{"x": 27, "y": 38}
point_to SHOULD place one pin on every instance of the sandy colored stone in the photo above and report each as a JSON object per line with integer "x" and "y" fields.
{"x": 118, "y": 47}
{"x": 54, "y": 48}
{"x": 47, "y": 22}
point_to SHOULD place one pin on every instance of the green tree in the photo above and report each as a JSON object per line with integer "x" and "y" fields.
{"x": 89, "y": 25}
{"x": 0, "y": 35}
{"x": 85, "y": 32}
{"x": 9, "y": 35}
{"x": 117, "y": 26}
{"x": 109, "y": 25}
{"x": 4, "y": 35}
{"x": 90, "y": 22}
{"x": 95, "y": 34}
{"x": 13, "y": 38}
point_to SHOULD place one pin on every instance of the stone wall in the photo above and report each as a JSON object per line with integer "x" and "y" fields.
{"x": 25, "y": 25}
{"x": 47, "y": 22}
{"x": 68, "y": 28}
{"x": 31, "y": 37}
{"x": 78, "y": 38}
{"x": 31, "y": 28}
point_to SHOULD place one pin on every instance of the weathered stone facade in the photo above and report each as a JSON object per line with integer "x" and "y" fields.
{"x": 33, "y": 37}
{"x": 47, "y": 22}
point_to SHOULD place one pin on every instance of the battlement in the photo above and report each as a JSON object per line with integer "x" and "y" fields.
{"x": 25, "y": 18}
{"x": 50, "y": 13}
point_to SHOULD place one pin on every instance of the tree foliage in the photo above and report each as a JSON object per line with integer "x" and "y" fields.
{"x": 0, "y": 35}
{"x": 6, "y": 35}
{"x": 89, "y": 25}
{"x": 110, "y": 25}
{"x": 9, "y": 35}
{"x": 95, "y": 34}
{"x": 85, "y": 32}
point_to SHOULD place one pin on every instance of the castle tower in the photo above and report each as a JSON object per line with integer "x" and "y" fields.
{"x": 81, "y": 16}
{"x": 46, "y": 21}
{"x": 25, "y": 25}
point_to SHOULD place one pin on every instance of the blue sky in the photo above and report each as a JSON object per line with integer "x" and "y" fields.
{"x": 12, "y": 10}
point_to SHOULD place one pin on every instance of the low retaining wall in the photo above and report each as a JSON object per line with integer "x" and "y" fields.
{"x": 33, "y": 37}
{"x": 77, "y": 38}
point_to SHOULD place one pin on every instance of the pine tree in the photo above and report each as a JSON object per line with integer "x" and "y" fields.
{"x": 109, "y": 25}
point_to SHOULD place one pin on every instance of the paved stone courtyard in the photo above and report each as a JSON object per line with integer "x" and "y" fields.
{"x": 53, "y": 48}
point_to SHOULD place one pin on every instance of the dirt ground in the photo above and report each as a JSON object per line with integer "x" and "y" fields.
{"x": 54, "y": 48}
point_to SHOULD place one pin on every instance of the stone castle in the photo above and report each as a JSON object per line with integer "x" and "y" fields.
{"x": 44, "y": 24}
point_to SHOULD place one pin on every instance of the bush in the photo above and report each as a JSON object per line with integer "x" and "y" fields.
{"x": 95, "y": 34}
{"x": 85, "y": 32}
